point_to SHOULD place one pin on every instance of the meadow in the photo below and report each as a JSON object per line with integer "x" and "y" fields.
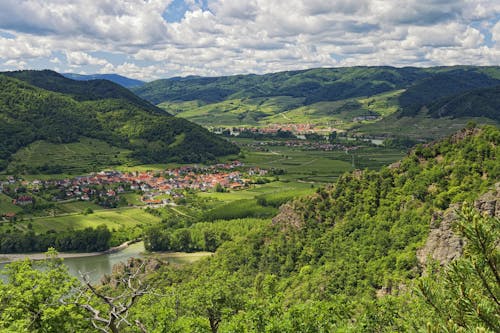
{"x": 316, "y": 165}
{"x": 115, "y": 220}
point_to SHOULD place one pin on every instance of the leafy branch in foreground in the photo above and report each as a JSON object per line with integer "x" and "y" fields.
{"x": 466, "y": 295}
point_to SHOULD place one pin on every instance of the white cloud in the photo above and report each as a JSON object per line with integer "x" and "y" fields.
{"x": 21, "y": 48}
{"x": 78, "y": 58}
{"x": 15, "y": 64}
{"x": 242, "y": 36}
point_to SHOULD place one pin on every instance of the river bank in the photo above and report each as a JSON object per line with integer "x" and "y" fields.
{"x": 10, "y": 257}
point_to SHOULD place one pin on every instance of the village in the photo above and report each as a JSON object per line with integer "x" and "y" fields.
{"x": 159, "y": 187}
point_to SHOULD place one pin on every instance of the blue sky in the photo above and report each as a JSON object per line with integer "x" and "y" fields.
{"x": 149, "y": 39}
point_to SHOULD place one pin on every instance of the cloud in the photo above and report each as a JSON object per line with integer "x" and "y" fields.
{"x": 16, "y": 64}
{"x": 222, "y": 37}
{"x": 124, "y": 22}
{"x": 79, "y": 58}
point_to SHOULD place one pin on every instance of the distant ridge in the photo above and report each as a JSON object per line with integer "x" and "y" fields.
{"x": 377, "y": 100}
{"x": 116, "y": 78}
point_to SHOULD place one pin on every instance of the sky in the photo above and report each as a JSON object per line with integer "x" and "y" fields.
{"x": 151, "y": 39}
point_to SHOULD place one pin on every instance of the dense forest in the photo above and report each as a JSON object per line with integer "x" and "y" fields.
{"x": 341, "y": 260}
{"x": 59, "y": 110}
{"x": 85, "y": 240}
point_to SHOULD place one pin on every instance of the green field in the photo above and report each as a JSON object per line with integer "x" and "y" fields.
{"x": 284, "y": 110}
{"x": 319, "y": 166}
{"x": 72, "y": 158}
{"x": 6, "y": 204}
{"x": 296, "y": 188}
{"x": 232, "y": 112}
{"x": 115, "y": 219}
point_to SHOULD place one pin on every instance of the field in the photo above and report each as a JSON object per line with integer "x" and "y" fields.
{"x": 72, "y": 158}
{"x": 319, "y": 166}
{"x": 115, "y": 219}
{"x": 6, "y": 204}
{"x": 233, "y": 112}
{"x": 284, "y": 110}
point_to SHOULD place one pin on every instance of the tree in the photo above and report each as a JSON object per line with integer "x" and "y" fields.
{"x": 466, "y": 295}
{"x": 109, "y": 305}
{"x": 32, "y": 299}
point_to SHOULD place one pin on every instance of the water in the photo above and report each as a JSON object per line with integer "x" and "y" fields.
{"x": 97, "y": 266}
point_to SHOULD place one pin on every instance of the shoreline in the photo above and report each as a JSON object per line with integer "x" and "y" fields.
{"x": 6, "y": 258}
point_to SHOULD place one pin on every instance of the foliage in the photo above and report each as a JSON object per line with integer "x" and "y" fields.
{"x": 101, "y": 110}
{"x": 466, "y": 295}
{"x": 30, "y": 299}
{"x": 86, "y": 240}
{"x": 441, "y": 85}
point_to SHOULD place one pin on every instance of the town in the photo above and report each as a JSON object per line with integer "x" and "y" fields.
{"x": 159, "y": 187}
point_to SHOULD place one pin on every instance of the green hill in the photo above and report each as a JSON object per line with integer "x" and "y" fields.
{"x": 314, "y": 85}
{"x": 371, "y": 100}
{"x": 58, "y": 110}
{"x": 442, "y": 85}
{"x": 89, "y": 90}
{"x": 345, "y": 258}
{"x": 475, "y": 103}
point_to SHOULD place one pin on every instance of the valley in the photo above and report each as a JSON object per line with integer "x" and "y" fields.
{"x": 299, "y": 212}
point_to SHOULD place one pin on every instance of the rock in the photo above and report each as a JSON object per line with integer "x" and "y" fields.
{"x": 134, "y": 266}
{"x": 443, "y": 244}
{"x": 288, "y": 217}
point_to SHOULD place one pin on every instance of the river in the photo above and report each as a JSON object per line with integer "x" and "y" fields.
{"x": 96, "y": 266}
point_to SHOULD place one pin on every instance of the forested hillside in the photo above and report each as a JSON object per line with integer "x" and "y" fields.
{"x": 367, "y": 100}
{"x": 341, "y": 260}
{"x": 314, "y": 85}
{"x": 475, "y": 103}
{"x": 63, "y": 110}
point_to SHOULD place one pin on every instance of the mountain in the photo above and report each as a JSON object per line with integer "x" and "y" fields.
{"x": 314, "y": 85}
{"x": 352, "y": 98}
{"x": 483, "y": 102}
{"x": 442, "y": 85}
{"x": 45, "y": 106}
{"x": 116, "y": 78}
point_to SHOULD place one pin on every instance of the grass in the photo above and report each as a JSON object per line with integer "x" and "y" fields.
{"x": 6, "y": 204}
{"x": 71, "y": 158}
{"x": 239, "y": 209}
{"x": 232, "y": 112}
{"x": 259, "y": 190}
{"x": 283, "y": 110}
{"x": 78, "y": 207}
{"x": 115, "y": 219}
